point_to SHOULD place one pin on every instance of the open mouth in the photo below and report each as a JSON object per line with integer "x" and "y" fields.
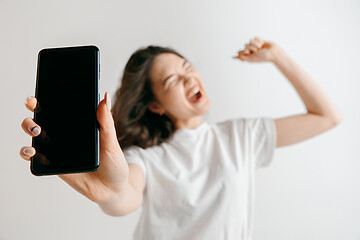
{"x": 195, "y": 95}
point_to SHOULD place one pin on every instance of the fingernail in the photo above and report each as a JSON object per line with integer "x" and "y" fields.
{"x": 27, "y": 99}
{"x": 108, "y": 101}
{"x": 28, "y": 151}
{"x": 35, "y": 130}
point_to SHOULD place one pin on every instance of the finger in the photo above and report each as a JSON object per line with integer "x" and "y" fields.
{"x": 242, "y": 57}
{"x": 27, "y": 152}
{"x": 245, "y": 52}
{"x": 30, "y": 127}
{"x": 252, "y": 48}
{"x": 257, "y": 42}
{"x": 108, "y": 138}
{"x": 30, "y": 103}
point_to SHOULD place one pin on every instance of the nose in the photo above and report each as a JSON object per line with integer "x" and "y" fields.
{"x": 187, "y": 79}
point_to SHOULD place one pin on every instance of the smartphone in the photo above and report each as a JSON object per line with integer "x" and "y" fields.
{"x": 67, "y": 96}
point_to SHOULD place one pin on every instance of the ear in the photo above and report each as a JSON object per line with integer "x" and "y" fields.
{"x": 156, "y": 108}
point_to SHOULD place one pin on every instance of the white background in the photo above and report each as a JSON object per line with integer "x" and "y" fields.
{"x": 311, "y": 190}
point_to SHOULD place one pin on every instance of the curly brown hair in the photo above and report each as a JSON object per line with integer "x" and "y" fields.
{"x": 135, "y": 124}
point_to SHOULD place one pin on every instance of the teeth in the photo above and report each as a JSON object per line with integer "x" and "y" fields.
{"x": 196, "y": 90}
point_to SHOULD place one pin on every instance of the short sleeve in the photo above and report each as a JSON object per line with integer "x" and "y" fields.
{"x": 262, "y": 140}
{"x": 132, "y": 155}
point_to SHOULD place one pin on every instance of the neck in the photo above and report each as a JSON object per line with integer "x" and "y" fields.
{"x": 190, "y": 123}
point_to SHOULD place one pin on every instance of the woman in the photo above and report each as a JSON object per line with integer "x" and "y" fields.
{"x": 193, "y": 179}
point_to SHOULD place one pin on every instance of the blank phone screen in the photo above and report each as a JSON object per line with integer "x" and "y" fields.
{"x": 67, "y": 99}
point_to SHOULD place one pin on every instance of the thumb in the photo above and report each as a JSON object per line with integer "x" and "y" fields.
{"x": 108, "y": 138}
{"x": 103, "y": 113}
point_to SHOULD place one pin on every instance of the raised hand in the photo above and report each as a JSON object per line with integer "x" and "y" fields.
{"x": 258, "y": 50}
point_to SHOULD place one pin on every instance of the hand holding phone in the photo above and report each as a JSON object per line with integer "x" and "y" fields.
{"x": 109, "y": 179}
{"x": 57, "y": 132}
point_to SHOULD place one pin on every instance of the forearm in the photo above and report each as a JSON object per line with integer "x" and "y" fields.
{"x": 123, "y": 203}
{"x": 314, "y": 98}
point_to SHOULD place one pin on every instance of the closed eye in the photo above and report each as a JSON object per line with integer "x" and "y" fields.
{"x": 172, "y": 81}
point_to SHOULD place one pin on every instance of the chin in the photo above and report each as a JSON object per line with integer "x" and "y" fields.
{"x": 205, "y": 108}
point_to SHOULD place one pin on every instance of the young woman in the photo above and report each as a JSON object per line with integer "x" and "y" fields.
{"x": 193, "y": 179}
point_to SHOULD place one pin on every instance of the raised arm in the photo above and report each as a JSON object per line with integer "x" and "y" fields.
{"x": 321, "y": 115}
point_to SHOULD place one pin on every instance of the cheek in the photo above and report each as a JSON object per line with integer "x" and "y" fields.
{"x": 175, "y": 96}
{"x": 173, "y": 99}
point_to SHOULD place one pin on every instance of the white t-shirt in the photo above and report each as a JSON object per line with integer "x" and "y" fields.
{"x": 200, "y": 184}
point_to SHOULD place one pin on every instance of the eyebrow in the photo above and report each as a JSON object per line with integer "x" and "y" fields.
{"x": 167, "y": 78}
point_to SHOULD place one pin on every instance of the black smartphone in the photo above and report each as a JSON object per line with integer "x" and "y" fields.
{"x": 67, "y": 96}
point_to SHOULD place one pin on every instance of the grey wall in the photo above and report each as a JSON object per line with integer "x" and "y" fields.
{"x": 311, "y": 191}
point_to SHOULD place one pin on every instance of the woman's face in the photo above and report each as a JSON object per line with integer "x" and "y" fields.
{"x": 178, "y": 89}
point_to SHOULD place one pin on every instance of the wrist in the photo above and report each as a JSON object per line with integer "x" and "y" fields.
{"x": 278, "y": 55}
